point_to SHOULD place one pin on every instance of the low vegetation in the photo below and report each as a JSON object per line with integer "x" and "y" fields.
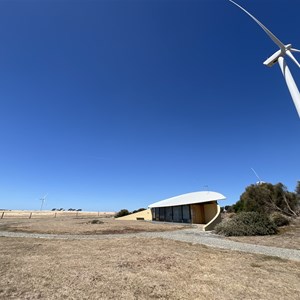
{"x": 247, "y": 223}
{"x": 287, "y": 237}
{"x": 262, "y": 208}
{"x": 279, "y": 219}
{"x": 96, "y": 222}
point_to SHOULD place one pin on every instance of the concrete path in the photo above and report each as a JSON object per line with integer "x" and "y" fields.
{"x": 191, "y": 235}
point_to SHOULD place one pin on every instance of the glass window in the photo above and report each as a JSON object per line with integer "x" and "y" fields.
{"x": 186, "y": 216}
{"x": 177, "y": 214}
{"x": 169, "y": 214}
{"x": 157, "y": 214}
{"x": 161, "y": 214}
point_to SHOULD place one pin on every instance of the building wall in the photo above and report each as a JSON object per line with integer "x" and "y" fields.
{"x": 145, "y": 214}
{"x": 197, "y": 211}
{"x": 216, "y": 220}
{"x": 210, "y": 211}
{"x": 203, "y": 213}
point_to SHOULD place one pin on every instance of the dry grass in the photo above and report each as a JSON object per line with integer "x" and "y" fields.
{"x": 139, "y": 268}
{"x": 288, "y": 237}
{"x": 82, "y": 225}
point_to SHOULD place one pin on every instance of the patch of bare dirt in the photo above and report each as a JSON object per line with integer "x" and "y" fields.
{"x": 139, "y": 268}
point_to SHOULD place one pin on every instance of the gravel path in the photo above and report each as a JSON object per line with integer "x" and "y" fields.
{"x": 212, "y": 240}
{"x": 187, "y": 235}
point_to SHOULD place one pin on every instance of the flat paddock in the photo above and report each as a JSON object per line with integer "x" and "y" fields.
{"x": 132, "y": 267}
{"x": 139, "y": 268}
{"x": 82, "y": 225}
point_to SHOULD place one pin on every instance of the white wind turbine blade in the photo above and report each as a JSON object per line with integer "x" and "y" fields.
{"x": 265, "y": 29}
{"x": 290, "y": 83}
{"x": 259, "y": 180}
{"x": 289, "y": 53}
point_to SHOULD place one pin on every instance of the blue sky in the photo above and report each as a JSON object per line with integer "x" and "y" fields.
{"x": 118, "y": 104}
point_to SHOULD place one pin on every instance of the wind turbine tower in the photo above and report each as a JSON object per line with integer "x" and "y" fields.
{"x": 43, "y": 199}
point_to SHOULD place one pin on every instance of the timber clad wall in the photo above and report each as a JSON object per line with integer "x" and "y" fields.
{"x": 210, "y": 210}
{"x": 197, "y": 211}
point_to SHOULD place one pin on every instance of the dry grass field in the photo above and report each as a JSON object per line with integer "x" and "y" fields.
{"x": 82, "y": 225}
{"x": 132, "y": 268}
{"x": 139, "y": 268}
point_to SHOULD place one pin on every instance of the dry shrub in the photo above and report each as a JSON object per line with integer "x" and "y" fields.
{"x": 279, "y": 219}
{"x": 247, "y": 224}
{"x": 96, "y": 222}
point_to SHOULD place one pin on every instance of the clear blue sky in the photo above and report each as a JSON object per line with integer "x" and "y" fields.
{"x": 118, "y": 104}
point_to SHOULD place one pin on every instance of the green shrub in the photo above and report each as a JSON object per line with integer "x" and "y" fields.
{"x": 122, "y": 213}
{"x": 279, "y": 219}
{"x": 268, "y": 198}
{"x": 247, "y": 224}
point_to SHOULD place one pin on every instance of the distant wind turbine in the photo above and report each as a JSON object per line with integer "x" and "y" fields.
{"x": 278, "y": 56}
{"x": 43, "y": 201}
{"x": 259, "y": 181}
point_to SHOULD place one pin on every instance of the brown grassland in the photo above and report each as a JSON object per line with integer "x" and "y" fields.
{"x": 132, "y": 267}
{"x": 82, "y": 225}
{"x": 139, "y": 268}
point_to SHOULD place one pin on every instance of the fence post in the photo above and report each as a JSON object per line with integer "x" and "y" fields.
{"x": 30, "y": 215}
{"x": 2, "y": 216}
{"x": 54, "y": 215}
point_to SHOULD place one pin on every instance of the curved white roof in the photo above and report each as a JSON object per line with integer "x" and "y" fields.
{"x": 190, "y": 198}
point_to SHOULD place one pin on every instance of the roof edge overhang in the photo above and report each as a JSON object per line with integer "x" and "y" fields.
{"x": 189, "y": 198}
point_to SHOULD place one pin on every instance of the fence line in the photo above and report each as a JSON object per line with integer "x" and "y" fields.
{"x": 53, "y": 214}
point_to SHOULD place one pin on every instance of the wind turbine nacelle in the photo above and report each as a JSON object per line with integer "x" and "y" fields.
{"x": 272, "y": 60}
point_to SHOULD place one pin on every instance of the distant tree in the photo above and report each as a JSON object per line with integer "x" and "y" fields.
{"x": 267, "y": 198}
{"x": 122, "y": 213}
{"x": 53, "y": 209}
{"x": 138, "y": 210}
{"x": 228, "y": 208}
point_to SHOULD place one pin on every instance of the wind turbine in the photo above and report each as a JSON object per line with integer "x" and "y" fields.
{"x": 259, "y": 182}
{"x": 278, "y": 56}
{"x": 43, "y": 201}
